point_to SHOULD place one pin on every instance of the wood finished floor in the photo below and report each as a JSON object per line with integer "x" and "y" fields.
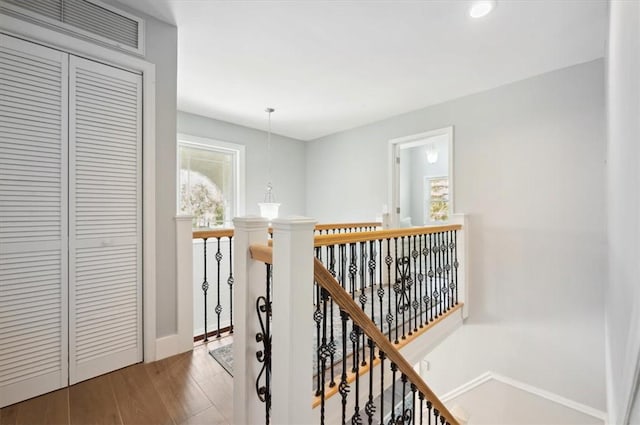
{"x": 190, "y": 389}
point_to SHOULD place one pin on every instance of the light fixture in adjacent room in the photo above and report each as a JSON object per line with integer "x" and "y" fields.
{"x": 432, "y": 154}
{"x": 269, "y": 208}
{"x": 481, "y": 8}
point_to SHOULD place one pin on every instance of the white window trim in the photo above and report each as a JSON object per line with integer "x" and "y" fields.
{"x": 236, "y": 149}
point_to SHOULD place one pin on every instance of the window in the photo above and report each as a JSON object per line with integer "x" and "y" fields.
{"x": 209, "y": 181}
{"x": 437, "y": 195}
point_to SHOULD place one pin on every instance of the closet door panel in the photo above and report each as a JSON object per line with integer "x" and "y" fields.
{"x": 105, "y": 219}
{"x": 33, "y": 220}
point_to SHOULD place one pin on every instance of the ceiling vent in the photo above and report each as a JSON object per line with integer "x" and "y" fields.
{"x": 87, "y": 18}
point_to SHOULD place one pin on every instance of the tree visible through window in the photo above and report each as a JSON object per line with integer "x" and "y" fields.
{"x": 438, "y": 195}
{"x": 207, "y": 184}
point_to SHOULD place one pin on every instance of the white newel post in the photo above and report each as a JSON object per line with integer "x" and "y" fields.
{"x": 249, "y": 284}
{"x": 463, "y": 259}
{"x": 184, "y": 279}
{"x": 292, "y": 323}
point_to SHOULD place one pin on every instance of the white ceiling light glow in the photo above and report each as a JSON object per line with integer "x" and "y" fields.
{"x": 481, "y": 8}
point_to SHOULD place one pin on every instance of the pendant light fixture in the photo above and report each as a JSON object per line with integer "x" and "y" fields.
{"x": 269, "y": 208}
{"x": 432, "y": 154}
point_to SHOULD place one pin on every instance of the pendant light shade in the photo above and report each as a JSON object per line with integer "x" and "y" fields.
{"x": 269, "y": 208}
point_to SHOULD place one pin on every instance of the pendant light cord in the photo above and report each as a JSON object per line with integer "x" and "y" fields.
{"x": 269, "y": 195}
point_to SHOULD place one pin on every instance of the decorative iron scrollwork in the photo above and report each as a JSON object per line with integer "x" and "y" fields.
{"x": 403, "y": 285}
{"x": 263, "y": 382}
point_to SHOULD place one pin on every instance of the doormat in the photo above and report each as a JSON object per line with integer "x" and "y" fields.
{"x": 224, "y": 356}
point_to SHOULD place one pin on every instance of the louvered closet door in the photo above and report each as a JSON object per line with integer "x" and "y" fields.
{"x": 105, "y": 245}
{"x": 33, "y": 220}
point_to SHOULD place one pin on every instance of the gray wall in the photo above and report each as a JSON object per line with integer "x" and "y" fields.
{"x": 288, "y": 156}
{"x": 162, "y": 50}
{"x": 623, "y": 289}
{"x": 529, "y": 171}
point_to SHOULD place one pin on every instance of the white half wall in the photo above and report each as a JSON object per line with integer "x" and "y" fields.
{"x": 288, "y": 156}
{"x": 529, "y": 171}
{"x": 623, "y": 158}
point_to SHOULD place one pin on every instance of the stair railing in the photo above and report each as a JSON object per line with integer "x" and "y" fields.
{"x": 273, "y": 343}
{"x": 379, "y": 348}
{"x": 213, "y": 275}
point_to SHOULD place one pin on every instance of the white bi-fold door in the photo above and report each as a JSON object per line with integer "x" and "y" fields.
{"x": 33, "y": 219}
{"x": 105, "y": 295}
{"x": 70, "y": 219}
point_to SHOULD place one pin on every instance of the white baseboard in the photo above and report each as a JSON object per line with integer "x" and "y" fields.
{"x": 171, "y": 345}
{"x": 488, "y": 376}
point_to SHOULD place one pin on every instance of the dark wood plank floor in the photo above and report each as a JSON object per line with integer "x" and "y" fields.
{"x": 190, "y": 389}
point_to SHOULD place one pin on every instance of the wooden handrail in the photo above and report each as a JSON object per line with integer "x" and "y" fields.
{"x": 374, "y": 235}
{"x": 212, "y": 233}
{"x": 228, "y": 232}
{"x": 344, "y": 301}
{"x": 262, "y": 253}
{"x": 338, "y": 226}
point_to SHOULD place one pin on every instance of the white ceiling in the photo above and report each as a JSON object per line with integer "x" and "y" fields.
{"x": 327, "y": 66}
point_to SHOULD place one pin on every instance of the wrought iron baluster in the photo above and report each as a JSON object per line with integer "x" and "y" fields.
{"x": 429, "y": 406}
{"x": 436, "y": 260}
{"x": 372, "y": 276}
{"x": 436, "y": 414}
{"x": 403, "y": 379}
{"x": 218, "y": 309}
{"x": 388, "y": 261}
{"x": 323, "y": 351}
{"x": 363, "y": 292}
{"x": 363, "y": 267}
{"x": 332, "y": 342}
{"x": 318, "y": 317}
{"x": 443, "y": 276}
{"x": 396, "y": 289}
{"x": 455, "y": 263}
{"x": 343, "y": 387}
{"x": 342, "y": 251}
{"x": 421, "y": 397}
{"x": 382, "y": 359}
{"x": 428, "y": 265}
{"x": 355, "y": 338}
{"x": 413, "y": 403}
{"x": 447, "y": 269}
{"x": 380, "y": 287}
{"x": 230, "y": 283}
{"x": 263, "y": 381}
{"x": 353, "y": 269}
{"x": 421, "y": 277}
{"x": 415, "y": 304}
{"x": 205, "y": 289}
{"x": 404, "y": 278}
{"x": 394, "y": 370}
{"x": 370, "y": 407}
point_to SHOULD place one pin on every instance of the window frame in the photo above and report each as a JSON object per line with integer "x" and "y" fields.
{"x": 238, "y": 152}
{"x": 427, "y": 199}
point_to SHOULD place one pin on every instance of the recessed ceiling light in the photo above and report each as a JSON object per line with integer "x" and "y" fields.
{"x": 481, "y": 8}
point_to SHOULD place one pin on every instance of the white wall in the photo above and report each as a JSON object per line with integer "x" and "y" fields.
{"x": 623, "y": 289}
{"x": 288, "y": 156}
{"x": 529, "y": 170}
{"x": 497, "y": 403}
